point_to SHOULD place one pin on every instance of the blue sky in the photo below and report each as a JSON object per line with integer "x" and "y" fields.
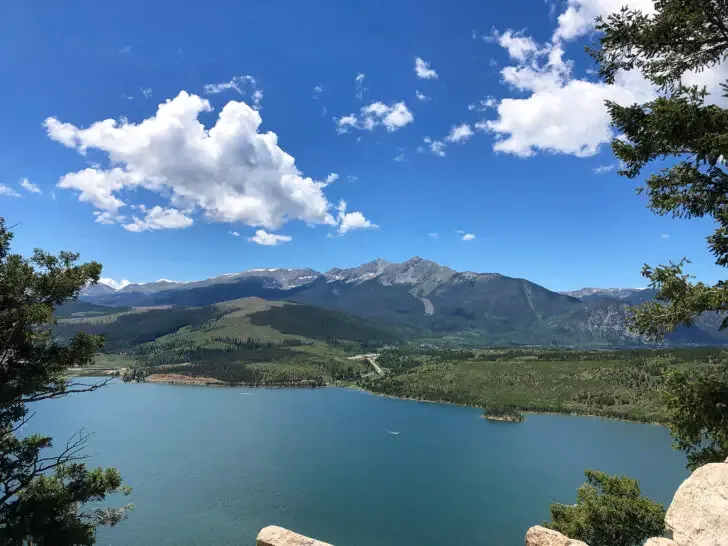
{"x": 311, "y": 164}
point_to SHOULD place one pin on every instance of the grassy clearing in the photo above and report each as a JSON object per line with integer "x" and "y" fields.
{"x": 230, "y": 342}
{"x": 104, "y": 364}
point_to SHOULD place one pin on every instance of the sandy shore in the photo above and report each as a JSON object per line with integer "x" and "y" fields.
{"x": 502, "y": 418}
{"x": 181, "y": 379}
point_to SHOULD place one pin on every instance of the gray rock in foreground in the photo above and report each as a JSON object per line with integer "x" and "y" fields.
{"x": 541, "y": 536}
{"x": 698, "y": 514}
{"x": 278, "y": 536}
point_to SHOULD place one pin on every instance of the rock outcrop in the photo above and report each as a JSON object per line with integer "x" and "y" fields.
{"x": 541, "y": 536}
{"x": 698, "y": 515}
{"x": 278, "y": 536}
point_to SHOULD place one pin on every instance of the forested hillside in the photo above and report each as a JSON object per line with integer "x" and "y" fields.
{"x": 627, "y": 384}
{"x": 249, "y": 341}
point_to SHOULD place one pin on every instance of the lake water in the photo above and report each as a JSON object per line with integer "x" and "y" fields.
{"x": 213, "y": 465}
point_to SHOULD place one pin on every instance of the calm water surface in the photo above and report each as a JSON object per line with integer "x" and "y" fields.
{"x": 213, "y": 465}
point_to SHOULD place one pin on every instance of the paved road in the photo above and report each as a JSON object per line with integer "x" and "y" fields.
{"x": 371, "y": 358}
{"x": 376, "y": 366}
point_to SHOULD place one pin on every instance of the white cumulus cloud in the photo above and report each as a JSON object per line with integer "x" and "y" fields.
{"x": 27, "y": 185}
{"x": 562, "y": 113}
{"x": 344, "y": 123}
{"x": 349, "y": 221}
{"x": 234, "y": 233}
{"x": 116, "y": 285}
{"x": 391, "y": 117}
{"x": 354, "y": 220}
{"x": 578, "y": 18}
{"x": 468, "y": 237}
{"x": 264, "y": 238}
{"x": 459, "y": 133}
{"x": 423, "y": 70}
{"x": 519, "y": 47}
{"x": 159, "y": 218}
{"x": 421, "y": 96}
{"x": 229, "y": 173}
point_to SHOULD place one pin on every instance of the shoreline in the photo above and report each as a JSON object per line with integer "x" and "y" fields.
{"x": 503, "y": 418}
{"x": 525, "y": 412}
{"x": 179, "y": 379}
{"x": 212, "y": 382}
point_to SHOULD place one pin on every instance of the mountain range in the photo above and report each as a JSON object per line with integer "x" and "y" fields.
{"x": 426, "y": 301}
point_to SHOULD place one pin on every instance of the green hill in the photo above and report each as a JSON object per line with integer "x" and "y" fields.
{"x": 248, "y": 340}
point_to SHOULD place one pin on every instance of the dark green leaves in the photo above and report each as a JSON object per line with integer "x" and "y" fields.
{"x": 698, "y": 414}
{"x": 42, "y": 496}
{"x": 609, "y": 511}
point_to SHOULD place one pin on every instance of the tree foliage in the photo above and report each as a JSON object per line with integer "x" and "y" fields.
{"x": 684, "y": 129}
{"x": 609, "y": 511}
{"x": 682, "y": 36}
{"x": 698, "y": 414}
{"x": 42, "y": 495}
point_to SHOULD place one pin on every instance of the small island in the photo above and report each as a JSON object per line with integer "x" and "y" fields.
{"x": 508, "y": 414}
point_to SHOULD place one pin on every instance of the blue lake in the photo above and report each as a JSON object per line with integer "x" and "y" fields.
{"x": 212, "y": 465}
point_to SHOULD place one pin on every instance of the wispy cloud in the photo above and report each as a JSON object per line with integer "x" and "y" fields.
{"x": 603, "y": 169}
{"x": 483, "y": 104}
{"x": 27, "y": 185}
{"x": 433, "y": 235}
{"x": 468, "y": 237}
{"x": 234, "y": 233}
{"x": 437, "y": 147}
{"x": 237, "y": 83}
{"x": 459, "y": 133}
{"x": 264, "y": 238}
{"x": 7, "y": 191}
{"x": 423, "y": 70}
{"x": 665, "y": 236}
{"x": 124, "y": 50}
{"x": 390, "y": 116}
{"x": 359, "y": 85}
